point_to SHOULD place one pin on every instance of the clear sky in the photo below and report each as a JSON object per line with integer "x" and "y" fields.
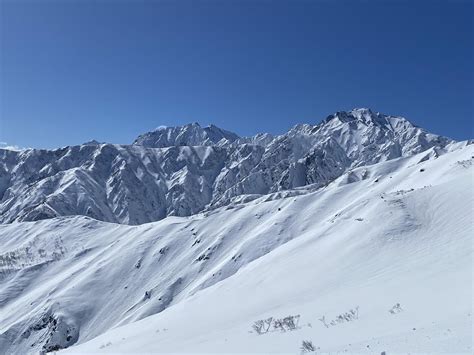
{"x": 72, "y": 71}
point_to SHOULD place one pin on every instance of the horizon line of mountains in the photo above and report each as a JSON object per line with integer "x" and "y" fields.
{"x": 181, "y": 171}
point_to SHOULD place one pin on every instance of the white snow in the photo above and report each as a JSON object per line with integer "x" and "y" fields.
{"x": 397, "y": 232}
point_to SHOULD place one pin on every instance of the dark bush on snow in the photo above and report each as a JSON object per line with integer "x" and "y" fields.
{"x": 307, "y": 346}
{"x": 284, "y": 324}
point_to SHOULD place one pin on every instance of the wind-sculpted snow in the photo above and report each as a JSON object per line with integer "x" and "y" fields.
{"x": 338, "y": 259}
{"x": 180, "y": 171}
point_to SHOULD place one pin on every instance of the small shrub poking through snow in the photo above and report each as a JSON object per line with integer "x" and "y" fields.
{"x": 284, "y": 324}
{"x": 262, "y": 326}
{"x": 105, "y": 345}
{"x": 353, "y": 314}
{"x": 396, "y": 309}
{"x": 287, "y": 323}
{"x": 307, "y": 347}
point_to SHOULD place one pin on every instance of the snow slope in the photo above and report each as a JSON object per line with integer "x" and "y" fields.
{"x": 180, "y": 171}
{"x": 398, "y": 231}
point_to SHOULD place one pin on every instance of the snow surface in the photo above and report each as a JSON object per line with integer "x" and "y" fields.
{"x": 397, "y": 232}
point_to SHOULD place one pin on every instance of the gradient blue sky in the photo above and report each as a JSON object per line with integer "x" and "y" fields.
{"x": 72, "y": 71}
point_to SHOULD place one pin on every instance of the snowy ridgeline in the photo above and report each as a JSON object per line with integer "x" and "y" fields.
{"x": 378, "y": 260}
{"x": 181, "y": 171}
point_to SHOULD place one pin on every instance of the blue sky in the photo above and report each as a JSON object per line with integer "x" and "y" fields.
{"x": 72, "y": 71}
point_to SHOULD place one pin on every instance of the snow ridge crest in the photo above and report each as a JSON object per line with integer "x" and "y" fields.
{"x": 189, "y": 169}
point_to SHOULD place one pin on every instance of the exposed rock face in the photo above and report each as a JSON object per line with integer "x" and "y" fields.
{"x": 184, "y": 170}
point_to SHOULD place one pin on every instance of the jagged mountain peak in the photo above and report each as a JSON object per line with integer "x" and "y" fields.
{"x": 93, "y": 142}
{"x": 357, "y": 114}
{"x": 191, "y": 134}
{"x": 357, "y": 120}
{"x": 367, "y": 117}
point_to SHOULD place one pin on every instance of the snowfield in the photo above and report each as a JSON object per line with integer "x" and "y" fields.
{"x": 379, "y": 259}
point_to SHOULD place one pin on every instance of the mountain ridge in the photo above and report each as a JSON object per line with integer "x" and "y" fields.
{"x": 189, "y": 169}
{"x": 190, "y": 134}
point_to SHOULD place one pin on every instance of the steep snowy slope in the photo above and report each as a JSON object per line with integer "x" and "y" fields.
{"x": 124, "y": 184}
{"x": 396, "y": 232}
{"x": 180, "y": 171}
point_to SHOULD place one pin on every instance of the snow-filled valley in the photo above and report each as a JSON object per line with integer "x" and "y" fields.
{"x": 375, "y": 257}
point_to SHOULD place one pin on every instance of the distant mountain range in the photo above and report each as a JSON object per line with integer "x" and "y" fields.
{"x": 181, "y": 171}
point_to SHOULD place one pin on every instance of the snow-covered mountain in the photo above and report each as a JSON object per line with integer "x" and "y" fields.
{"x": 379, "y": 259}
{"x": 180, "y": 171}
{"x": 190, "y": 134}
